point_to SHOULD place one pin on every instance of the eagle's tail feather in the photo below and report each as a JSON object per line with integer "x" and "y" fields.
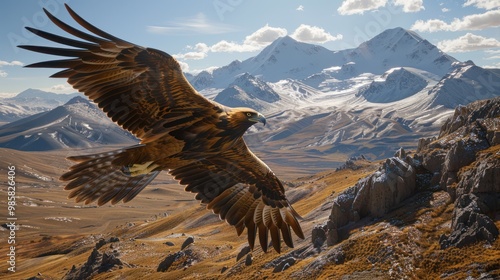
{"x": 96, "y": 177}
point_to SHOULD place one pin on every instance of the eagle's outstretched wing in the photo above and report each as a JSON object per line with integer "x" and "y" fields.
{"x": 141, "y": 89}
{"x": 144, "y": 91}
{"x": 259, "y": 205}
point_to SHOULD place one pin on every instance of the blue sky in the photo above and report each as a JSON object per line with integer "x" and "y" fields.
{"x": 204, "y": 34}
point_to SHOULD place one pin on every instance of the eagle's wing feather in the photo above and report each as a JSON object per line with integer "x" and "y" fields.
{"x": 141, "y": 89}
{"x": 243, "y": 190}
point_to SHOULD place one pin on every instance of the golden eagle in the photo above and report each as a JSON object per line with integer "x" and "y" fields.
{"x": 198, "y": 141}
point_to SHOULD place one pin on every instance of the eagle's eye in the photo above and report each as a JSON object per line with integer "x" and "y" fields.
{"x": 249, "y": 114}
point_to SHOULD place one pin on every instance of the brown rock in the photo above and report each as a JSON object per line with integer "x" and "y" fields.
{"x": 187, "y": 242}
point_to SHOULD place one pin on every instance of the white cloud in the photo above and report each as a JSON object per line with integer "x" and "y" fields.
{"x": 3, "y": 73}
{"x": 201, "y": 47}
{"x": 197, "y": 24}
{"x": 265, "y": 35}
{"x": 198, "y": 71}
{"x": 468, "y": 42}
{"x": 410, "y": 6}
{"x": 313, "y": 34}
{"x": 300, "y": 8}
{"x": 12, "y": 63}
{"x": 494, "y": 66}
{"x": 470, "y": 22}
{"x": 483, "y": 4}
{"x": 445, "y": 10}
{"x": 8, "y": 94}
{"x": 431, "y": 25}
{"x": 191, "y": 55}
{"x": 184, "y": 66}
{"x": 351, "y": 7}
{"x": 61, "y": 87}
{"x": 495, "y": 52}
{"x": 253, "y": 42}
{"x": 200, "y": 52}
{"x": 225, "y": 46}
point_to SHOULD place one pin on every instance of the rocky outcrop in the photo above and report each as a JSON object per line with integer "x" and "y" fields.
{"x": 97, "y": 262}
{"x": 374, "y": 195}
{"x": 465, "y": 161}
{"x": 179, "y": 260}
{"x": 469, "y": 223}
{"x": 169, "y": 260}
{"x": 351, "y": 163}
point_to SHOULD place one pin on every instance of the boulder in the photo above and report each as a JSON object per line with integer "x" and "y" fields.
{"x": 248, "y": 260}
{"x": 244, "y": 251}
{"x": 469, "y": 224}
{"x": 318, "y": 235}
{"x": 374, "y": 195}
{"x": 169, "y": 260}
{"x": 284, "y": 265}
{"x": 187, "y": 242}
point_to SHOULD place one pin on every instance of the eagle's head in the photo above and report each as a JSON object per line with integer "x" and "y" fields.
{"x": 244, "y": 117}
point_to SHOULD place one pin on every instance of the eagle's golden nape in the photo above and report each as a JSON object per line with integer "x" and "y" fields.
{"x": 198, "y": 141}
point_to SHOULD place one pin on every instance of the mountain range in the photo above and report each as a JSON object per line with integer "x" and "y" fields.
{"x": 29, "y": 102}
{"x": 287, "y": 58}
{"x": 388, "y": 92}
{"x": 76, "y": 124}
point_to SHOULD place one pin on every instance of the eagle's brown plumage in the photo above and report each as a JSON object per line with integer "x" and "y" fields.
{"x": 198, "y": 141}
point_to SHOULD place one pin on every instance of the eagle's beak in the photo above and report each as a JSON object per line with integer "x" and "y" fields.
{"x": 260, "y": 118}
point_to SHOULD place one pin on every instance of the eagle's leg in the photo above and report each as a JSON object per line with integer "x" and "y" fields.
{"x": 138, "y": 169}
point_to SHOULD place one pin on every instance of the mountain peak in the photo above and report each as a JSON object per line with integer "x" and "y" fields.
{"x": 77, "y": 99}
{"x": 32, "y": 93}
{"x": 398, "y": 47}
{"x": 286, "y": 39}
{"x": 391, "y": 38}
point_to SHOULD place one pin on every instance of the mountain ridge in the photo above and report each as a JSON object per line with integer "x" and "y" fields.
{"x": 76, "y": 124}
{"x": 30, "y": 102}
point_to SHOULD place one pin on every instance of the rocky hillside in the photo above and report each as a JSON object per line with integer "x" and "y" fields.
{"x": 465, "y": 161}
{"x": 457, "y": 172}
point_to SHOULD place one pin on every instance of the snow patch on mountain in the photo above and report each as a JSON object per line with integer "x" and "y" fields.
{"x": 396, "y": 84}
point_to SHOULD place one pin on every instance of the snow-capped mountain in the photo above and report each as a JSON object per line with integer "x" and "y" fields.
{"x": 287, "y": 58}
{"x": 464, "y": 84}
{"x": 248, "y": 91}
{"x": 32, "y": 95}
{"x": 282, "y": 59}
{"x": 395, "y": 84}
{"x": 257, "y": 88}
{"x": 30, "y": 102}
{"x": 77, "y": 124}
{"x": 399, "y": 47}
